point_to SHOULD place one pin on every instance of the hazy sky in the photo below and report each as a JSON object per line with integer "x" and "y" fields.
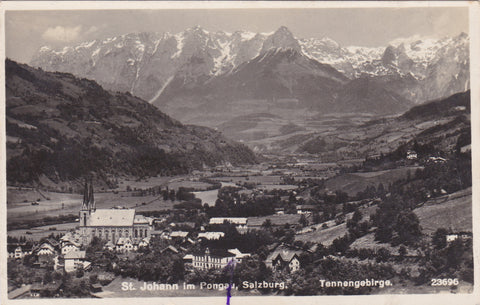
{"x": 27, "y": 31}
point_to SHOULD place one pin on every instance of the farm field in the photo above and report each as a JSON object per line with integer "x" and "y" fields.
{"x": 352, "y": 183}
{"x": 173, "y": 182}
{"x": 263, "y": 180}
{"x": 270, "y": 187}
{"x": 453, "y": 211}
{"x": 38, "y": 233}
{"x": 277, "y": 220}
{"x": 145, "y": 183}
{"x": 19, "y": 210}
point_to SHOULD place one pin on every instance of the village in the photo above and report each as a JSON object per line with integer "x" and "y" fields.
{"x": 269, "y": 230}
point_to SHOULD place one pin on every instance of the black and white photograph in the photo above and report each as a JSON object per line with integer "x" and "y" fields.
{"x": 237, "y": 151}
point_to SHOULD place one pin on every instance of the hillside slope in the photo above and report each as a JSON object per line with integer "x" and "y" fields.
{"x": 443, "y": 123}
{"x": 62, "y": 127}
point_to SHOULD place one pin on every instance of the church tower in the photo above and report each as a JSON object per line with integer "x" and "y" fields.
{"x": 86, "y": 209}
{"x": 88, "y": 206}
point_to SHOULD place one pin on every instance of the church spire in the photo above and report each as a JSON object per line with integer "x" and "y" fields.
{"x": 88, "y": 198}
{"x": 91, "y": 199}
{"x": 85, "y": 203}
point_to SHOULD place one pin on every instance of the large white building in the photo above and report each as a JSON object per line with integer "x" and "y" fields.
{"x": 215, "y": 259}
{"x": 110, "y": 224}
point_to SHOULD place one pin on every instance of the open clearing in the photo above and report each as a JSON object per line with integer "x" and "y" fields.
{"x": 325, "y": 236}
{"x": 368, "y": 242}
{"x": 453, "y": 211}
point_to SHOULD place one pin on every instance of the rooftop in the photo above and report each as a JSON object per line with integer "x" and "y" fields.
{"x": 211, "y": 235}
{"x": 75, "y": 254}
{"x": 234, "y": 220}
{"x": 178, "y": 234}
{"x": 284, "y": 252}
{"x": 112, "y": 218}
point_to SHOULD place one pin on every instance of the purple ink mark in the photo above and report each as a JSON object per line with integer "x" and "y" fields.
{"x": 231, "y": 265}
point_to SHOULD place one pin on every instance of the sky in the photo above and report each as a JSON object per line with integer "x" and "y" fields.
{"x": 27, "y": 31}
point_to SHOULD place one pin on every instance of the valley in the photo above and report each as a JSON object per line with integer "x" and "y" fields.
{"x": 294, "y": 160}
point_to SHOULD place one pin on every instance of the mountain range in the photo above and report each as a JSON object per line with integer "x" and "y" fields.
{"x": 218, "y": 79}
{"x": 62, "y": 128}
{"x": 141, "y": 63}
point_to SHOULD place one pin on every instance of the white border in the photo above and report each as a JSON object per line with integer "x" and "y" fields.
{"x": 474, "y": 19}
{"x": 93, "y": 5}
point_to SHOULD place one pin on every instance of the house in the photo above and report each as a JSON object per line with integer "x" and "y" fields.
{"x": 55, "y": 244}
{"x": 239, "y": 222}
{"x": 18, "y": 251}
{"x": 45, "y": 254}
{"x": 156, "y": 233}
{"x": 283, "y": 257}
{"x": 144, "y": 242}
{"x": 214, "y": 259}
{"x": 178, "y": 235}
{"x": 69, "y": 237}
{"x": 279, "y": 211}
{"x": 412, "y": 155}
{"x": 211, "y": 235}
{"x": 75, "y": 260}
{"x": 436, "y": 160}
{"x": 124, "y": 244}
{"x": 109, "y": 246}
{"x": 306, "y": 208}
{"x": 68, "y": 246}
{"x": 460, "y": 235}
{"x": 45, "y": 249}
{"x": 239, "y": 256}
{"x": 188, "y": 260}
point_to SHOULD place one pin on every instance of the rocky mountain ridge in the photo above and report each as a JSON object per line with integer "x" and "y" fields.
{"x": 144, "y": 63}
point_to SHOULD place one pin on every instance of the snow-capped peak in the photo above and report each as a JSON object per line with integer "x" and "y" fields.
{"x": 281, "y": 38}
{"x": 142, "y": 62}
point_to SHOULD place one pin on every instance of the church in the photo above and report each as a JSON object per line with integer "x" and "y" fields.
{"x": 110, "y": 224}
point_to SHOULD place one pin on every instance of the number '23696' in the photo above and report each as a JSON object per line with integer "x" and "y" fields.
{"x": 444, "y": 282}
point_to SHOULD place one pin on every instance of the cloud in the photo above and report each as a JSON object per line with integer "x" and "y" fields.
{"x": 64, "y": 34}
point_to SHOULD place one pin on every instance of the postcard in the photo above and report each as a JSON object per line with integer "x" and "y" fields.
{"x": 237, "y": 152}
